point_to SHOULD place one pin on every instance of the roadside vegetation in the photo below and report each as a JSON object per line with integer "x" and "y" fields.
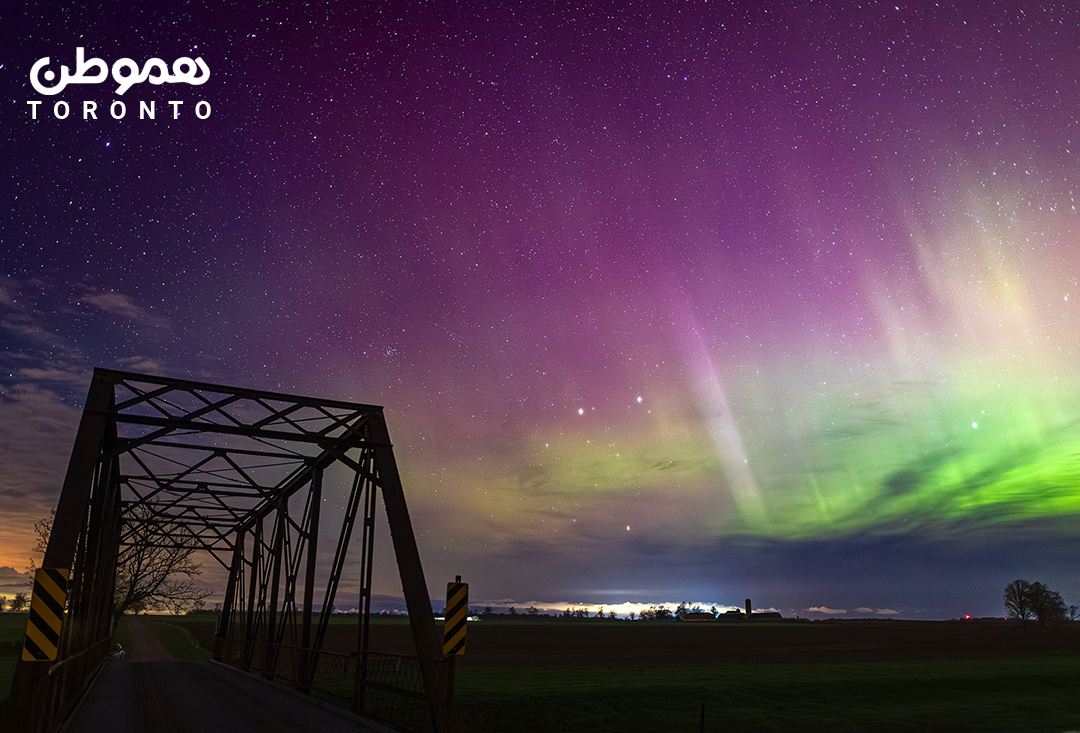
{"x": 12, "y": 628}
{"x": 178, "y": 641}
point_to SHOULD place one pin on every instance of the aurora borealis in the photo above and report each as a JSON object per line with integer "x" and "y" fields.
{"x": 665, "y": 302}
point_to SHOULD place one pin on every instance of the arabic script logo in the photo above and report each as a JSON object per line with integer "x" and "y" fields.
{"x": 125, "y": 72}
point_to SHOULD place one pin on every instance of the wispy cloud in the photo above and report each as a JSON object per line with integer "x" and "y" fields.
{"x": 27, "y": 326}
{"x": 878, "y": 612}
{"x": 60, "y": 374}
{"x": 45, "y": 353}
{"x": 826, "y": 610}
{"x": 142, "y": 364}
{"x": 113, "y": 302}
{"x": 124, "y": 306}
{"x": 12, "y": 581}
{"x": 36, "y": 433}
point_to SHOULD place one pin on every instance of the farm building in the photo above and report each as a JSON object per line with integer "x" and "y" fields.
{"x": 703, "y": 616}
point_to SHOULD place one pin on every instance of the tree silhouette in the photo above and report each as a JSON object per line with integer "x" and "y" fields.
{"x": 1018, "y": 600}
{"x": 148, "y": 578}
{"x": 1047, "y": 605}
{"x": 19, "y": 602}
{"x": 1026, "y": 601}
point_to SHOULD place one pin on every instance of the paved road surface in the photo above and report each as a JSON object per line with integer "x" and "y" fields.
{"x": 198, "y": 697}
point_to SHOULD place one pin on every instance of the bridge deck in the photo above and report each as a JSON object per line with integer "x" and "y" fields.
{"x": 194, "y": 697}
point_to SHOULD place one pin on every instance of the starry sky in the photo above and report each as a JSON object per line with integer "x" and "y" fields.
{"x": 665, "y": 301}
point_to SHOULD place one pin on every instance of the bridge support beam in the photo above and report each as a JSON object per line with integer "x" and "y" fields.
{"x": 180, "y": 467}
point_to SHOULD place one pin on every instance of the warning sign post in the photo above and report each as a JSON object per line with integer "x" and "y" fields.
{"x": 456, "y": 617}
{"x": 46, "y": 615}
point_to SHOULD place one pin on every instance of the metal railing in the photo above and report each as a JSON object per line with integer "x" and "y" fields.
{"x": 379, "y": 685}
{"x": 62, "y": 688}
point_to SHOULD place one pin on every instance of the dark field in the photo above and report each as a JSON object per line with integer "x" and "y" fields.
{"x": 12, "y": 628}
{"x": 628, "y": 677}
{"x": 622, "y": 677}
{"x": 1028, "y": 694}
{"x": 637, "y": 643}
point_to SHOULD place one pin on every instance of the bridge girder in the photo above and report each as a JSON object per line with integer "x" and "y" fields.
{"x": 239, "y": 473}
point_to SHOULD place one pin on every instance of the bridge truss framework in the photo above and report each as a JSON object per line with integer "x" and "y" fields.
{"x": 169, "y": 465}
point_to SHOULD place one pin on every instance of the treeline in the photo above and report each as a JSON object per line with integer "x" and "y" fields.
{"x": 20, "y": 602}
{"x": 653, "y": 613}
{"x": 1026, "y": 601}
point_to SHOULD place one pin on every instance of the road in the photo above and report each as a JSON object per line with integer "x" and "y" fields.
{"x": 194, "y": 697}
{"x": 149, "y": 693}
{"x": 145, "y": 646}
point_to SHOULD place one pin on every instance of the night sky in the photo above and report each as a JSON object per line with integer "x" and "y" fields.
{"x": 665, "y": 301}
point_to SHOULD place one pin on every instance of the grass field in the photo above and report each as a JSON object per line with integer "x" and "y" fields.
{"x": 122, "y": 635}
{"x": 1032, "y": 694}
{"x": 12, "y": 628}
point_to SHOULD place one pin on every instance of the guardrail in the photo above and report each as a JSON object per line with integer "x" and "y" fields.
{"x": 59, "y": 691}
{"x": 379, "y": 685}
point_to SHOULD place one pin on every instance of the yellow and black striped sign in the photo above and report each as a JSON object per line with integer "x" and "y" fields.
{"x": 46, "y": 615}
{"x": 457, "y": 613}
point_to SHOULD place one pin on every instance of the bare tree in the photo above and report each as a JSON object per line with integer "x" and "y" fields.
{"x": 152, "y": 578}
{"x": 148, "y": 577}
{"x": 42, "y": 530}
{"x": 19, "y": 602}
{"x": 1018, "y": 600}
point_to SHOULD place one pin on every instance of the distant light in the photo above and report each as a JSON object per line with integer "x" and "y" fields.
{"x": 108, "y": 143}
{"x": 581, "y": 410}
{"x": 967, "y": 615}
{"x": 639, "y": 399}
{"x": 628, "y": 528}
{"x": 974, "y": 426}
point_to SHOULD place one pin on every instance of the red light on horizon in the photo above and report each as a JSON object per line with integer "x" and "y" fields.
{"x": 967, "y": 615}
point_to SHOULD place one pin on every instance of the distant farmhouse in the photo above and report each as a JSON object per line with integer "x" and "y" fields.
{"x": 736, "y": 616}
{"x": 706, "y": 616}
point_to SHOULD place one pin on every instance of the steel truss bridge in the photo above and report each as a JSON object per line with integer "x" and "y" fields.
{"x": 173, "y": 465}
